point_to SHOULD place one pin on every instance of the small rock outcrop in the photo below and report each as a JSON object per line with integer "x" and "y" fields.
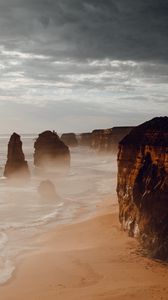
{"x": 69, "y": 139}
{"x": 16, "y": 165}
{"x": 143, "y": 185}
{"x": 50, "y": 151}
{"x": 46, "y": 190}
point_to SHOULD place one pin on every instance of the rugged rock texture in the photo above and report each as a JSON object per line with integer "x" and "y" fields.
{"x": 16, "y": 165}
{"x": 117, "y": 134}
{"x": 104, "y": 140}
{"x": 107, "y": 140}
{"x": 46, "y": 190}
{"x": 85, "y": 139}
{"x": 69, "y": 139}
{"x": 143, "y": 185}
{"x": 50, "y": 151}
{"x": 101, "y": 139}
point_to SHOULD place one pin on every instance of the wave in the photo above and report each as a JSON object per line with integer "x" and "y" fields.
{"x": 6, "y": 271}
{"x": 3, "y": 240}
{"x": 38, "y": 222}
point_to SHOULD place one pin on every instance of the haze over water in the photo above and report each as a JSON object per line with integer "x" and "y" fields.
{"x": 24, "y": 214}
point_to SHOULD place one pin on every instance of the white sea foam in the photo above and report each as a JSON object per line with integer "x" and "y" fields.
{"x": 6, "y": 271}
{"x": 45, "y": 219}
{"x": 38, "y": 222}
{"x": 3, "y": 240}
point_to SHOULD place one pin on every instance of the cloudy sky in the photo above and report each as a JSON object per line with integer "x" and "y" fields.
{"x": 76, "y": 65}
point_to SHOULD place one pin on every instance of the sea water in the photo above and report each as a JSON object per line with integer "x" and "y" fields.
{"x": 24, "y": 214}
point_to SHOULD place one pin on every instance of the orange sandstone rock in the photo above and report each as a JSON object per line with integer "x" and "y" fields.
{"x": 143, "y": 185}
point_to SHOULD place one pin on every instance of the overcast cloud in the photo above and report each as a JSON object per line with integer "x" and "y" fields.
{"x": 81, "y": 64}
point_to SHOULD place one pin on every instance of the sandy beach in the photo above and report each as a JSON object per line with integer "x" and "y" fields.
{"x": 89, "y": 260}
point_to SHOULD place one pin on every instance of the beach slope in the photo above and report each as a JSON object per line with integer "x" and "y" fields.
{"x": 90, "y": 260}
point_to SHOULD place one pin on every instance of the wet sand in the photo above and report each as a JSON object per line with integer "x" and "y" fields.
{"x": 90, "y": 260}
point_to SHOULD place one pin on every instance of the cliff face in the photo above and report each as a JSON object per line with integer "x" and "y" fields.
{"x": 69, "y": 139}
{"x": 104, "y": 140}
{"x": 107, "y": 140}
{"x": 85, "y": 139}
{"x": 117, "y": 134}
{"x": 101, "y": 140}
{"x": 143, "y": 185}
{"x": 16, "y": 164}
{"x": 50, "y": 151}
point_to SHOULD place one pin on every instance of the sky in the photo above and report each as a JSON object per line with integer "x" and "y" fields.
{"x": 77, "y": 65}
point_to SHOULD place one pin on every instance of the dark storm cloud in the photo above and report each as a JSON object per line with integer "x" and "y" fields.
{"x": 85, "y": 63}
{"x": 118, "y": 29}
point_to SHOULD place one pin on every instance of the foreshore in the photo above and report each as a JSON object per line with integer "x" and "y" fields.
{"x": 88, "y": 260}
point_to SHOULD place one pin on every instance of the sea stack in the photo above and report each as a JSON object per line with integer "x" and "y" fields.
{"x": 46, "y": 190}
{"x": 69, "y": 139}
{"x": 143, "y": 185}
{"x": 50, "y": 151}
{"x": 16, "y": 165}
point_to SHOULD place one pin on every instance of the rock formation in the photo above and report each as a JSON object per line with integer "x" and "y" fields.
{"x": 50, "y": 151}
{"x": 46, "y": 190}
{"x": 69, "y": 139}
{"x": 143, "y": 185}
{"x": 104, "y": 140}
{"x": 98, "y": 138}
{"x": 107, "y": 140}
{"x": 101, "y": 140}
{"x": 16, "y": 165}
{"x": 117, "y": 134}
{"x": 85, "y": 139}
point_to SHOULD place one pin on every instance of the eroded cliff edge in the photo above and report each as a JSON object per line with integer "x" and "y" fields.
{"x": 107, "y": 140}
{"x": 143, "y": 185}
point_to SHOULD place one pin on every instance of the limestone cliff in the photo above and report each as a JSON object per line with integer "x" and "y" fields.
{"x": 101, "y": 140}
{"x": 69, "y": 139}
{"x": 107, "y": 140}
{"x": 16, "y": 164}
{"x": 85, "y": 139}
{"x": 143, "y": 185}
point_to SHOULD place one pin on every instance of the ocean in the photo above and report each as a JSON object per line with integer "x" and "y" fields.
{"x": 24, "y": 214}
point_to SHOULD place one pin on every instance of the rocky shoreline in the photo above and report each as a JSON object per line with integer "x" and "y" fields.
{"x": 143, "y": 185}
